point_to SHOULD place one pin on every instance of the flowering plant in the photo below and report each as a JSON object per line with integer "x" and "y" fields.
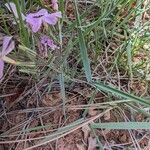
{"x": 7, "y": 47}
{"x": 33, "y": 21}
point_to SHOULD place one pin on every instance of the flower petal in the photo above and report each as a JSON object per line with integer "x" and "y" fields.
{"x": 38, "y": 14}
{"x": 1, "y": 68}
{"x": 54, "y": 1}
{"x": 35, "y": 19}
{"x": 54, "y": 4}
{"x": 58, "y": 14}
{"x": 8, "y": 45}
{"x": 35, "y": 23}
{"x": 52, "y": 18}
{"x": 41, "y": 12}
{"x": 47, "y": 42}
{"x": 12, "y": 8}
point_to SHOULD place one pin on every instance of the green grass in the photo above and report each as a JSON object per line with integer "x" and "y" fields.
{"x": 122, "y": 125}
{"x": 103, "y": 48}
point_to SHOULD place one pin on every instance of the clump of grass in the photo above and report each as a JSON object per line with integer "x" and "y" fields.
{"x": 105, "y": 49}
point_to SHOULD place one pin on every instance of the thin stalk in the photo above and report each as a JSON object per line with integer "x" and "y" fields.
{"x": 23, "y": 31}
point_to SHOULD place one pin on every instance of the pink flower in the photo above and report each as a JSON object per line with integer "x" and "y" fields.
{"x": 54, "y": 4}
{"x": 7, "y": 47}
{"x": 47, "y": 42}
{"x": 35, "y": 20}
{"x": 52, "y": 18}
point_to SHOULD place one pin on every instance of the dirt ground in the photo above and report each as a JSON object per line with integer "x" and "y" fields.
{"x": 27, "y": 115}
{"x": 49, "y": 113}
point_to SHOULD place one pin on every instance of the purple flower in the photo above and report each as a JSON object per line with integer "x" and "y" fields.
{"x": 7, "y": 47}
{"x": 12, "y": 8}
{"x": 52, "y": 18}
{"x": 47, "y": 42}
{"x": 35, "y": 20}
{"x": 54, "y": 4}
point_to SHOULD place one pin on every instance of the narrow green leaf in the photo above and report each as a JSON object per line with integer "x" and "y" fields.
{"x": 83, "y": 49}
{"x": 62, "y": 89}
{"x": 129, "y": 57}
{"x": 23, "y": 31}
{"x": 119, "y": 93}
{"x": 121, "y": 125}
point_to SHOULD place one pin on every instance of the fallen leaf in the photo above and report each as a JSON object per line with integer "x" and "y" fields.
{"x": 92, "y": 143}
{"x": 123, "y": 138}
{"x": 106, "y": 131}
{"x": 80, "y": 147}
{"x": 52, "y": 99}
{"x": 92, "y": 112}
{"x": 86, "y": 130}
{"x": 107, "y": 115}
{"x": 84, "y": 92}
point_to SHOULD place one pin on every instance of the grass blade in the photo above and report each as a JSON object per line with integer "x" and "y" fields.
{"x": 121, "y": 125}
{"x": 129, "y": 58}
{"x": 23, "y": 31}
{"x": 62, "y": 89}
{"x": 83, "y": 49}
{"x": 119, "y": 93}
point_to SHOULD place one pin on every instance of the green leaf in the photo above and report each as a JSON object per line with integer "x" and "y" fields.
{"x": 83, "y": 49}
{"x": 129, "y": 58}
{"x": 121, "y": 125}
{"x": 119, "y": 93}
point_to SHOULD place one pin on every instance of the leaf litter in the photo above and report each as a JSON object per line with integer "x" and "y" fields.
{"x": 35, "y": 118}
